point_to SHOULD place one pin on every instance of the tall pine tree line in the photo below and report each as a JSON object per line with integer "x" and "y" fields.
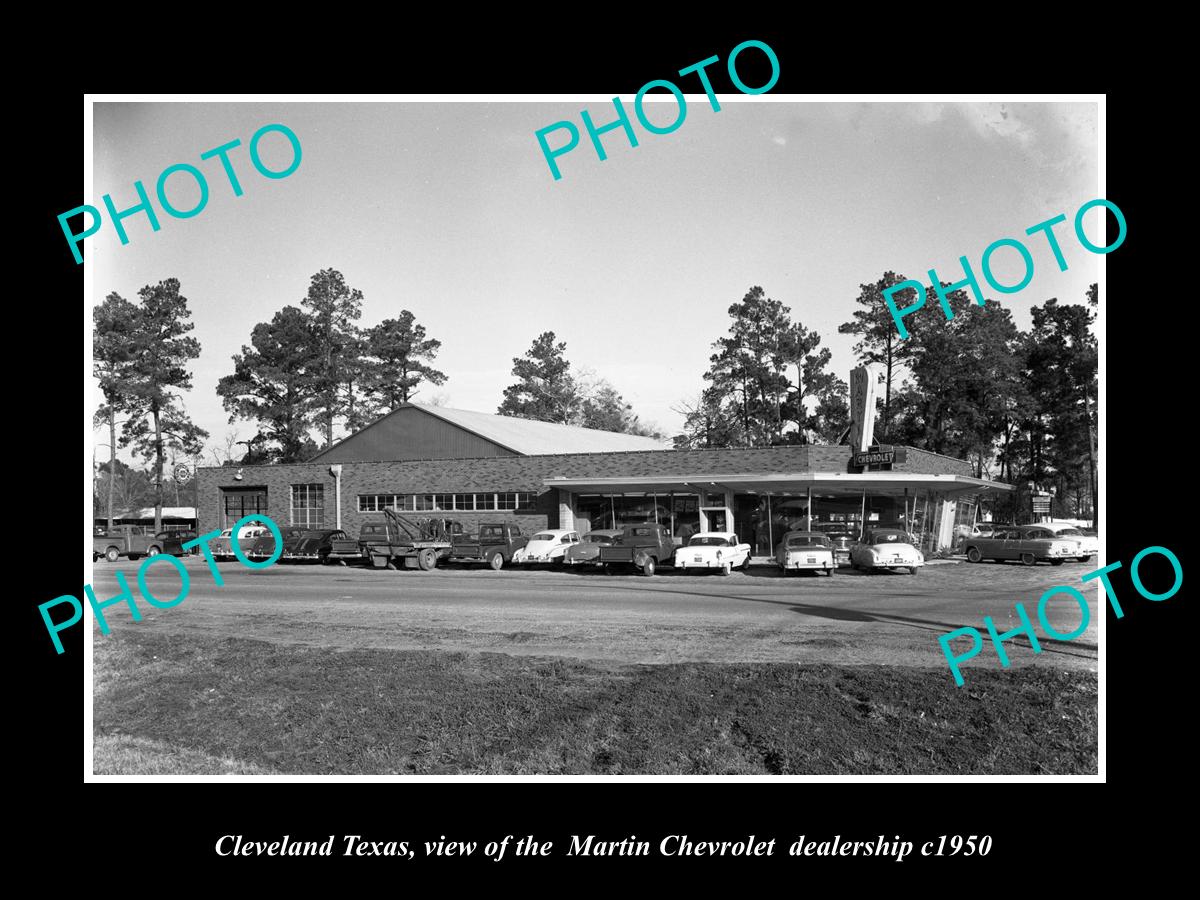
{"x": 313, "y": 368}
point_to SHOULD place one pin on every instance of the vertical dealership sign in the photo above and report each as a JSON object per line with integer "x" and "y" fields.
{"x": 864, "y": 387}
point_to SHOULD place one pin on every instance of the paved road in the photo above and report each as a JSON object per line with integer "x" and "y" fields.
{"x": 758, "y": 616}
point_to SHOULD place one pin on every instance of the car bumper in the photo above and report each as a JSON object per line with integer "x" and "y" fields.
{"x": 704, "y": 563}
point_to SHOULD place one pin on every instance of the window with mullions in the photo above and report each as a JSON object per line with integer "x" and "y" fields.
{"x": 464, "y": 502}
{"x": 445, "y": 502}
{"x": 308, "y": 505}
{"x": 238, "y": 503}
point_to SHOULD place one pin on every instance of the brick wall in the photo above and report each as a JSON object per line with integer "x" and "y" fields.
{"x": 519, "y": 473}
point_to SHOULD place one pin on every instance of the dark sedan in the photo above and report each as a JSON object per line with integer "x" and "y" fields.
{"x": 312, "y": 545}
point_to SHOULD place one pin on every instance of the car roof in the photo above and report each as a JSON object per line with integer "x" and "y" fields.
{"x": 792, "y": 534}
{"x": 557, "y": 532}
{"x": 728, "y": 535}
{"x": 610, "y": 532}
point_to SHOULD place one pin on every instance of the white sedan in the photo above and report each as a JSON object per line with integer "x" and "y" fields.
{"x": 717, "y": 550}
{"x": 1089, "y": 545}
{"x": 546, "y": 547}
{"x": 805, "y": 550}
{"x": 886, "y": 548}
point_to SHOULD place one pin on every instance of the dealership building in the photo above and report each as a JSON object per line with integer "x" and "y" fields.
{"x": 471, "y": 467}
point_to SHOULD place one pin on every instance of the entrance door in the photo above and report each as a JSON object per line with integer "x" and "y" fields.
{"x": 719, "y": 518}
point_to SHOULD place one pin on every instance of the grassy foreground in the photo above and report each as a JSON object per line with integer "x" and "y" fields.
{"x": 166, "y": 704}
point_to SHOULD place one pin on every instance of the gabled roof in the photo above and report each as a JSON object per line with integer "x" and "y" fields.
{"x": 530, "y": 438}
{"x": 521, "y": 437}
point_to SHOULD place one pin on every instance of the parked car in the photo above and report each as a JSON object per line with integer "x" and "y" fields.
{"x": 887, "y": 548}
{"x": 546, "y": 547}
{"x": 587, "y": 551}
{"x": 347, "y": 549}
{"x": 811, "y": 550}
{"x": 713, "y": 550}
{"x": 314, "y": 545}
{"x": 645, "y": 547}
{"x": 222, "y": 545}
{"x": 262, "y": 545}
{"x": 1028, "y": 543}
{"x": 494, "y": 544}
{"x": 1089, "y": 544}
{"x": 124, "y": 540}
{"x": 841, "y": 538}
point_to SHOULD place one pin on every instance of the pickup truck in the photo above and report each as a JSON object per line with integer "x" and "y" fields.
{"x": 645, "y": 547}
{"x": 494, "y": 544}
{"x": 346, "y": 549}
{"x": 124, "y": 541}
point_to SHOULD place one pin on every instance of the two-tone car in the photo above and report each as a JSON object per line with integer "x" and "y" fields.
{"x": 587, "y": 551}
{"x": 1089, "y": 544}
{"x": 714, "y": 551}
{"x": 1030, "y": 544}
{"x": 222, "y": 545}
{"x": 806, "y": 551}
{"x": 549, "y": 546}
{"x": 887, "y": 548}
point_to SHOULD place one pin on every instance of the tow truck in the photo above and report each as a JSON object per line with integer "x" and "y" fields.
{"x": 405, "y": 544}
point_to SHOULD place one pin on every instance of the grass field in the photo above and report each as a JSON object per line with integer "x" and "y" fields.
{"x": 172, "y": 704}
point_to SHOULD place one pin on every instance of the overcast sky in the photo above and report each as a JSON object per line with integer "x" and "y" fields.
{"x": 449, "y": 210}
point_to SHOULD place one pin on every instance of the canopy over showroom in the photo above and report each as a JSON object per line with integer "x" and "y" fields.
{"x": 760, "y": 507}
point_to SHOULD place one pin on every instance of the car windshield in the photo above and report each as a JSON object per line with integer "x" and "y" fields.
{"x": 809, "y": 541}
{"x": 544, "y": 536}
{"x": 598, "y": 538}
{"x": 708, "y": 542}
{"x": 888, "y": 536}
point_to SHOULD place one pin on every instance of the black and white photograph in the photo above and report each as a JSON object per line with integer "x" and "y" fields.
{"x": 696, "y": 435}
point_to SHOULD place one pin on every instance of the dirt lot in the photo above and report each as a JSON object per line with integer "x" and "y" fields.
{"x": 310, "y": 669}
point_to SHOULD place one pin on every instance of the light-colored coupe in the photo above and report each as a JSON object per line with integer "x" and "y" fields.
{"x": 713, "y": 550}
{"x": 886, "y": 548}
{"x": 546, "y": 547}
{"x": 806, "y": 550}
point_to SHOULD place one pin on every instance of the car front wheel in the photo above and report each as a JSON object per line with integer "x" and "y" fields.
{"x": 496, "y": 561}
{"x": 912, "y": 570}
{"x": 112, "y": 554}
{"x": 648, "y": 566}
{"x": 153, "y": 551}
{"x": 1028, "y": 559}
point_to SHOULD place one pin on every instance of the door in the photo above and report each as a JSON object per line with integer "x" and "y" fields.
{"x": 1010, "y": 547}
